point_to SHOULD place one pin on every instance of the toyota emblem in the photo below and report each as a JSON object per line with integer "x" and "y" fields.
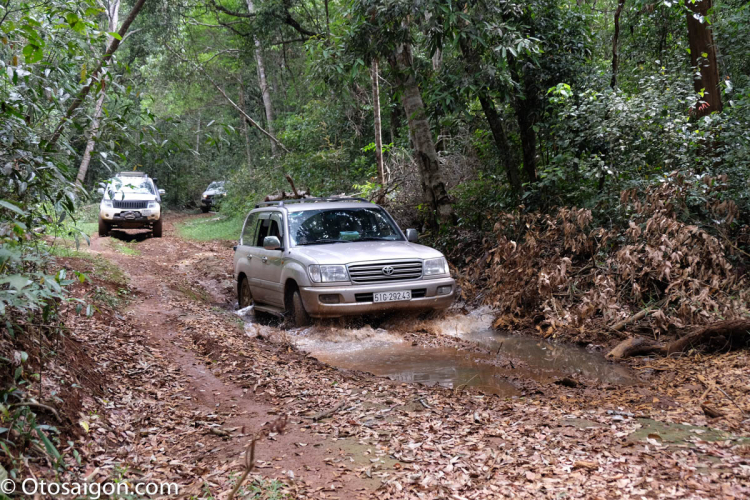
{"x": 388, "y": 270}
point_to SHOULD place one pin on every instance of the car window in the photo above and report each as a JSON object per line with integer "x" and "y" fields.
{"x": 263, "y": 228}
{"x": 248, "y": 232}
{"x": 277, "y": 226}
{"x": 269, "y": 225}
{"x": 311, "y": 227}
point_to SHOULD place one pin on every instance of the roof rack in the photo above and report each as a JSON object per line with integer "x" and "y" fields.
{"x": 131, "y": 174}
{"x": 281, "y": 203}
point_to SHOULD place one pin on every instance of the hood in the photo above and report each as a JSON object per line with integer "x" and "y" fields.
{"x": 213, "y": 192}
{"x": 363, "y": 251}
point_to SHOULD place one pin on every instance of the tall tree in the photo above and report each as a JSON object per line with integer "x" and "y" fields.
{"x": 374, "y": 75}
{"x": 434, "y": 191}
{"x": 94, "y": 74}
{"x": 615, "y": 41}
{"x": 263, "y": 81}
{"x": 703, "y": 56}
{"x": 112, "y": 9}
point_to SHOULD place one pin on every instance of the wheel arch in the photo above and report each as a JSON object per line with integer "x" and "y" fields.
{"x": 290, "y": 286}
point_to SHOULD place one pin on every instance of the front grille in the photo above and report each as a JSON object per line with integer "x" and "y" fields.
{"x": 129, "y": 204}
{"x": 373, "y": 273}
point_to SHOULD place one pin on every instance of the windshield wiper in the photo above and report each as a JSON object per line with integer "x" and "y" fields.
{"x": 373, "y": 238}
{"x": 325, "y": 240}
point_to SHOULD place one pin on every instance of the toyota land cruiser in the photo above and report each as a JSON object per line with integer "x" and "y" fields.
{"x": 130, "y": 200}
{"x": 321, "y": 258}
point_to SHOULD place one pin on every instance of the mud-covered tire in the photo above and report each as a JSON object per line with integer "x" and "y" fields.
{"x": 204, "y": 210}
{"x": 157, "y": 229}
{"x": 244, "y": 296}
{"x": 104, "y": 228}
{"x": 297, "y": 313}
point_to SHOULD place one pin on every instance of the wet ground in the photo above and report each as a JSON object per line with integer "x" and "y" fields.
{"x": 495, "y": 366}
{"x": 440, "y": 407}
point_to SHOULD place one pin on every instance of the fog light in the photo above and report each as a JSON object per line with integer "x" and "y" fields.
{"x": 444, "y": 290}
{"x": 329, "y": 298}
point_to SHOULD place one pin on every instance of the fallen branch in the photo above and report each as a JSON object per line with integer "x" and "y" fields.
{"x": 276, "y": 426}
{"x": 38, "y": 405}
{"x": 730, "y": 330}
{"x": 230, "y": 101}
{"x": 633, "y": 347}
{"x": 637, "y": 316}
{"x": 328, "y": 413}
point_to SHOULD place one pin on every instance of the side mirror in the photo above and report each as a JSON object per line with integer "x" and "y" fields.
{"x": 161, "y": 191}
{"x": 412, "y": 235}
{"x": 100, "y": 191}
{"x": 271, "y": 243}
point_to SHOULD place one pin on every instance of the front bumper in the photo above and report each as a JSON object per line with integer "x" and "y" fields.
{"x": 357, "y": 299}
{"x": 130, "y": 218}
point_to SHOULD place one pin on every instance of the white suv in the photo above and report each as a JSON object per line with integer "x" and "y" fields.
{"x": 130, "y": 200}
{"x": 335, "y": 257}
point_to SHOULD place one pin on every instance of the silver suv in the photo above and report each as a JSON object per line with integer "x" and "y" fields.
{"x": 323, "y": 258}
{"x": 130, "y": 200}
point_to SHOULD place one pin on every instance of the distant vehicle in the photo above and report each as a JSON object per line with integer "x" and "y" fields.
{"x": 130, "y": 200}
{"x": 212, "y": 196}
{"x": 321, "y": 258}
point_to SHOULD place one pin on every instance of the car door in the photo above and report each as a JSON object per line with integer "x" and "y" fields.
{"x": 270, "y": 261}
{"x": 243, "y": 254}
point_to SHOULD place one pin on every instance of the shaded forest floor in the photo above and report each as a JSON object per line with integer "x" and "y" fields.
{"x": 173, "y": 388}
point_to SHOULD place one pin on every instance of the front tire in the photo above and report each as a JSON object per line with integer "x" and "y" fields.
{"x": 104, "y": 228}
{"x": 204, "y": 210}
{"x": 157, "y": 229}
{"x": 244, "y": 297}
{"x": 297, "y": 312}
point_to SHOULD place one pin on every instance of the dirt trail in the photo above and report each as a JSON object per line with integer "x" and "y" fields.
{"x": 187, "y": 388}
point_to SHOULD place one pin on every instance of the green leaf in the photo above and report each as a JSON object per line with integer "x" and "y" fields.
{"x": 16, "y": 281}
{"x": 11, "y": 206}
{"x": 48, "y": 445}
{"x": 114, "y": 34}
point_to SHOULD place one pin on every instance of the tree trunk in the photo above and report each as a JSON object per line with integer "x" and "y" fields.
{"x": 434, "y": 192}
{"x": 113, "y": 14}
{"x": 105, "y": 58}
{"x": 245, "y": 128}
{"x": 198, "y": 136}
{"x": 615, "y": 40}
{"x": 376, "y": 115}
{"x": 264, "y": 90}
{"x": 395, "y": 116}
{"x": 501, "y": 141}
{"x": 493, "y": 119}
{"x": 703, "y": 55}
{"x": 526, "y": 105}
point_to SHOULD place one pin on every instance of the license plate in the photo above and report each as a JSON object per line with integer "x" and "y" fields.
{"x": 391, "y": 296}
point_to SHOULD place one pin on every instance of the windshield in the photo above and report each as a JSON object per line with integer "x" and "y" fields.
{"x": 215, "y": 185}
{"x": 341, "y": 225}
{"x": 130, "y": 186}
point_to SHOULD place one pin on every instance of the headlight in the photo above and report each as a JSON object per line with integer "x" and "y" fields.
{"x": 205, "y": 196}
{"x": 107, "y": 203}
{"x": 435, "y": 266}
{"x": 327, "y": 274}
{"x": 153, "y": 204}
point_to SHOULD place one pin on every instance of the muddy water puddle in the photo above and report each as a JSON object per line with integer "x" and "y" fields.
{"x": 508, "y": 362}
